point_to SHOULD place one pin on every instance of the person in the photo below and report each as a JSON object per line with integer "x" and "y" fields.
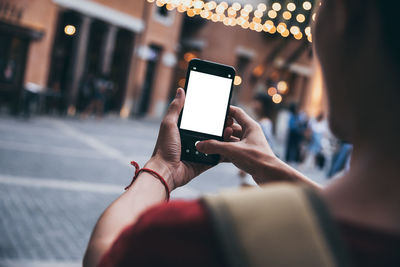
{"x": 297, "y": 127}
{"x": 341, "y": 159}
{"x": 357, "y": 46}
{"x": 318, "y": 129}
{"x": 101, "y": 87}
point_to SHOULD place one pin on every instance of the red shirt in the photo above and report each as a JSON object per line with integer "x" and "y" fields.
{"x": 180, "y": 233}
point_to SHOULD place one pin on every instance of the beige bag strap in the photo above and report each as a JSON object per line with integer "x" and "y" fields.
{"x": 276, "y": 225}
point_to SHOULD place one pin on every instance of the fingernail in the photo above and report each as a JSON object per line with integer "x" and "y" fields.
{"x": 198, "y": 145}
{"x": 178, "y": 93}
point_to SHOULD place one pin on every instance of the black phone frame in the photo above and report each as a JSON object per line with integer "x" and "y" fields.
{"x": 212, "y": 68}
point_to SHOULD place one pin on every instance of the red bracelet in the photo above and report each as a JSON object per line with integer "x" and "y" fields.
{"x": 138, "y": 171}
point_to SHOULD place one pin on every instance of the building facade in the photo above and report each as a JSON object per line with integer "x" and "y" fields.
{"x": 57, "y": 45}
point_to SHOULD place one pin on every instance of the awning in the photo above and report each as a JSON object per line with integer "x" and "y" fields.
{"x": 20, "y": 30}
{"x": 102, "y": 12}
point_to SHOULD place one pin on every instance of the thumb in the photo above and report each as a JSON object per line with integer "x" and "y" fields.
{"x": 213, "y": 147}
{"x": 176, "y": 106}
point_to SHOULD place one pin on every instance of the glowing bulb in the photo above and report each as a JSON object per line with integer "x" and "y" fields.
{"x": 210, "y": 5}
{"x": 309, "y": 38}
{"x": 281, "y": 27}
{"x": 287, "y": 15}
{"x": 258, "y": 13}
{"x": 181, "y": 9}
{"x": 272, "y": 91}
{"x": 276, "y": 6}
{"x": 262, "y": 7}
{"x": 300, "y": 18}
{"x": 285, "y": 33}
{"x": 256, "y": 20}
{"x": 267, "y": 27}
{"x": 224, "y": 4}
{"x": 273, "y": 30}
{"x": 282, "y": 87}
{"x": 236, "y": 6}
{"x": 307, "y": 30}
{"x": 298, "y": 36}
{"x": 198, "y": 4}
{"x": 204, "y": 14}
{"x": 277, "y": 98}
{"x": 248, "y": 8}
{"x": 291, "y": 7}
{"x": 307, "y": 5}
{"x": 226, "y": 21}
{"x": 231, "y": 12}
{"x": 245, "y": 25}
{"x": 294, "y": 30}
{"x": 314, "y": 16}
{"x": 70, "y": 30}
{"x": 191, "y": 12}
{"x": 189, "y": 56}
{"x": 220, "y": 9}
{"x": 272, "y": 14}
{"x": 237, "y": 80}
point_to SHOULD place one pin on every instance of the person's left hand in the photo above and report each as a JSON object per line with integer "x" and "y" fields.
{"x": 166, "y": 158}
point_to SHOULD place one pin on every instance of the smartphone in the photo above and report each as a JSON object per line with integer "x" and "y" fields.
{"x": 208, "y": 91}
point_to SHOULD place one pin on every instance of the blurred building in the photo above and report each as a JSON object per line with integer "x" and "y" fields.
{"x": 58, "y": 45}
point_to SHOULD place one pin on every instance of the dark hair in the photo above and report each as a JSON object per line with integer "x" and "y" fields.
{"x": 388, "y": 14}
{"x": 266, "y": 103}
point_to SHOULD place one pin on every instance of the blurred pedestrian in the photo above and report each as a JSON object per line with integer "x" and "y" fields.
{"x": 297, "y": 127}
{"x": 318, "y": 130}
{"x": 341, "y": 159}
{"x": 87, "y": 91}
{"x": 101, "y": 88}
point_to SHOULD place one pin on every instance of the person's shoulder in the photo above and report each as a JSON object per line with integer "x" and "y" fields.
{"x": 163, "y": 230}
{"x": 173, "y": 212}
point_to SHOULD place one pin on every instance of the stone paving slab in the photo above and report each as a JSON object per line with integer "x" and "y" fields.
{"x": 58, "y": 175}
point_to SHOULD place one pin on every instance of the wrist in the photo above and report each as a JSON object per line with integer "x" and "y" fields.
{"x": 271, "y": 168}
{"x": 162, "y": 169}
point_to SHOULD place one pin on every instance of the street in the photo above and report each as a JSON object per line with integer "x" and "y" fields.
{"x": 58, "y": 175}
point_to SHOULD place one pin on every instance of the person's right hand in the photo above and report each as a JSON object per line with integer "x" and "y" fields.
{"x": 247, "y": 148}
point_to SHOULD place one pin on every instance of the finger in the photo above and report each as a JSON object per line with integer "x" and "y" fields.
{"x": 237, "y": 130}
{"x": 214, "y": 147}
{"x": 228, "y": 133}
{"x": 176, "y": 106}
{"x": 229, "y": 121}
{"x": 233, "y": 139}
{"x": 241, "y": 117}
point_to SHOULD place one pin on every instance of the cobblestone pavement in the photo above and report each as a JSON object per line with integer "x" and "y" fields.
{"x": 58, "y": 175}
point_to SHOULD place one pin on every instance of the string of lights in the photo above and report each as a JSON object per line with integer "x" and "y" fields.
{"x": 286, "y": 20}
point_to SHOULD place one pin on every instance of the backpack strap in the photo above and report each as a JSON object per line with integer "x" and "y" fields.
{"x": 275, "y": 225}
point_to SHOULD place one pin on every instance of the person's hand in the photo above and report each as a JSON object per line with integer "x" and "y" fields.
{"x": 166, "y": 158}
{"x": 247, "y": 148}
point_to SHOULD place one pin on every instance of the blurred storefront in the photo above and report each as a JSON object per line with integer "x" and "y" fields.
{"x": 142, "y": 50}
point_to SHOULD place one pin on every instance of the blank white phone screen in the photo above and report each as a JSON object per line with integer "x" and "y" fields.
{"x": 206, "y": 102}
